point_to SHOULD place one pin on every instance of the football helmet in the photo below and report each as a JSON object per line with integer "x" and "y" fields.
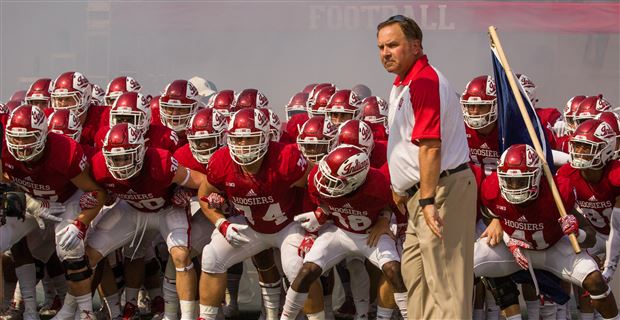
{"x": 206, "y": 88}
{"x": 362, "y": 91}
{"x": 177, "y": 104}
{"x": 124, "y": 150}
{"x": 342, "y": 171}
{"x": 248, "y": 136}
{"x": 375, "y": 110}
{"x": 479, "y": 92}
{"x": 318, "y": 98}
{"x": 71, "y": 90}
{"x": 308, "y": 88}
{"x": 132, "y": 107}
{"x": 118, "y": 86}
{"x": 519, "y": 172}
{"x": 298, "y": 104}
{"x": 40, "y": 93}
{"x": 589, "y": 107}
{"x": 66, "y": 123}
{"x": 592, "y": 145}
{"x": 343, "y": 105}
{"x": 98, "y": 95}
{"x": 613, "y": 120}
{"x": 249, "y": 98}
{"x": 569, "y": 113}
{"x": 275, "y": 126}
{"x": 316, "y": 138}
{"x": 19, "y": 95}
{"x": 26, "y": 132}
{"x": 206, "y": 133}
{"x": 529, "y": 87}
{"x": 222, "y": 100}
{"x": 357, "y": 133}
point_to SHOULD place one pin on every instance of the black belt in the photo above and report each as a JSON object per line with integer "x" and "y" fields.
{"x": 411, "y": 191}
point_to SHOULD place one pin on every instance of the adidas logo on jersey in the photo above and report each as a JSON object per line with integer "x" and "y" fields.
{"x": 28, "y": 178}
{"x": 522, "y": 219}
{"x": 347, "y": 205}
{"x": 484, "y": 146}
{"x": 251, "y": 193}
{"x": 230, "y": 184}
{"x": 593, "y": 199}
{"x": 130, "y": 191}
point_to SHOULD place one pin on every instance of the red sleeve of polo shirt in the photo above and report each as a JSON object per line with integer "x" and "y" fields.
{"x": 426, "y": 106}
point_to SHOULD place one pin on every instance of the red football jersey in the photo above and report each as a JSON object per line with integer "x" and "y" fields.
{"x": 548, "y": 116}
{"x": 157, "y": 136}
{"x": 294, "y": 125}
{"x": 536, "y": 222}
{"x": 484, "y": 150}
{"x": 359, "y": 210}
{"x": 265, "y": 199}
{"x": 479, "y": 175}
{"x": 400, "y": 218}
{"x": 96, "y": 117}
{"x": 596, "y": 200}
{"x": 185, "y": 158}
{"x": 151, "y": 189}
{"x": 378, "y": 156}
{"x": 49, "y": 177}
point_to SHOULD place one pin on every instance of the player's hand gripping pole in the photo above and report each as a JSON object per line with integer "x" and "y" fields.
{"x": 530, "y": 129}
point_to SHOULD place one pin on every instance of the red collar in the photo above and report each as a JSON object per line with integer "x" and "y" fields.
{"x": 418, "y": 65}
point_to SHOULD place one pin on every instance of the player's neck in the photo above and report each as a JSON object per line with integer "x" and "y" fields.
{"x": 486, "y": 130}
{"x": 253, "y": 168}
{"x": 592, "y": 175}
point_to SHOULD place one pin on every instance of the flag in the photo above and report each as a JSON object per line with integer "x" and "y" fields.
{"x": 512, "y": 128}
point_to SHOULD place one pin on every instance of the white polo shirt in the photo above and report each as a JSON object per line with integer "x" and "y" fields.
{"x": 423, "y": 105}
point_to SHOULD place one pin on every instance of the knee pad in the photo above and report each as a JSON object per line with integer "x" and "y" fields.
{"x": 152, "y": 267}
{"x": 236, "y": 269}
{"x": 77, "y": 264}
{"x": 504, "y": 290}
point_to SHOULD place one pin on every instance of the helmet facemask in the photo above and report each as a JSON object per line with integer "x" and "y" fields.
{"x": 176, "y": 115}
{"x": 122, "y": 115}
{"x": 25, "y": 145}
{"x": 518, "y": 187}
{"x": 479, "y": 121}
{"x": 586, "y": 154}
{"x": 314, "y": 149}
{"x": 124, "y": 163}
{"x": 203, "y": 145}
{"x": 244, "y": 153}
{"x": 74, "y": 101}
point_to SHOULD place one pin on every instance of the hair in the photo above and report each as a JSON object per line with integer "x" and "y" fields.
{"x": 409, "y": 27}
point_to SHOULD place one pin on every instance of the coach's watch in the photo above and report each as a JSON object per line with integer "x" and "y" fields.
{"x": 426, "y": 201}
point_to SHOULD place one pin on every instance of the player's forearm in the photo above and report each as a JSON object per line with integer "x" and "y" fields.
{"x": 430, "y": 164}
{"x": 88, "y": 215}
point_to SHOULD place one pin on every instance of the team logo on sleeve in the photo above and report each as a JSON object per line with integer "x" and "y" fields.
{"x": 174, "y": 164}
{"x": 83, "y": 162}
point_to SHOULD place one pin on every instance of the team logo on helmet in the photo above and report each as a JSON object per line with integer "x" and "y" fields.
{"x": 491, "y": 89}
{"x": 132, "y": 84}
{"x": 80, "y": 81}
{"x": 354, "y": 164}
{"x": 261, "y": 119}
{"x": 134, "y": 134}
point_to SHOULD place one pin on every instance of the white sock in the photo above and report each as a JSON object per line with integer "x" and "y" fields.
{"x": 587, "y": 316}
{"x": 131, "y": 295}
{"x": 401, "y": 302}
{"x": 492, "y": 309}
{"x": 68, "y": 307}
{"x": 316, "y": 316}
{"x": 478, "y": 314}
{"x": 271, "y": 298}
{"x": 155, "y": 292}
{"x": 386, "y": 313}
{"x": 327, "y": 305}
{"x": 60, "y": 285}
{"x": 515, "y": 317}
{"x": 560, "y": 313}
{"x": 48, "y": 289}
{"x": 113, "y": 304}
{"x": 171, "y": 300}
{"x": 360, "y": 288}
{"x": 294, "y": 303}
{"x": 85, "y": 302}
{"x": 27, "y": 286}
{"x": 17, "y": 294}
{"x": 208, "y": 312}
{"x": 533, "y": 309}
{"x": 547, "y": 311}
{"x": 188, "y": 309}
{"x": 232, "y": 286}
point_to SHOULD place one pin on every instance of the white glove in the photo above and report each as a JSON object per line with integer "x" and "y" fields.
{"x": 232, "y": 232}
{"x": 608, "y": 273}
{"x": 43, "y": 209}
{"x": 71, "y": 236}
{"x": 311, "y": 220}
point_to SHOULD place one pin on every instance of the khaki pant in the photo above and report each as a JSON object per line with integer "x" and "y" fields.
{"x": 439, "y": 273}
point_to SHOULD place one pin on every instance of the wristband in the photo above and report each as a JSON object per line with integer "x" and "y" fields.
{"x": 426, "y": 201}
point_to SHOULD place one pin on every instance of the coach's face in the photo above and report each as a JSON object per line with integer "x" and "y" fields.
{"x": 396, "y": 51}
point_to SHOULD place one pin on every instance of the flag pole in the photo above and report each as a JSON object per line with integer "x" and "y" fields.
{"x": 530, "y": 130}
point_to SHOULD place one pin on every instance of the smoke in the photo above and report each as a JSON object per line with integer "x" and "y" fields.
{"x": 279, "y": 47}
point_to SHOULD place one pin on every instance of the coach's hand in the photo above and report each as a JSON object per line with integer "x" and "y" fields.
{"x": 433, "y": 220}
{"x": 400, "y": 201}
